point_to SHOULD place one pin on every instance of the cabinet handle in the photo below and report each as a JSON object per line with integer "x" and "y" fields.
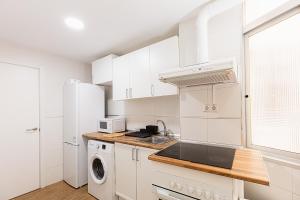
{"x": 130, "y": 92}
{"x": 132, "y": 153}
{"x": 137, "y": 155}
{"x": 152, "y": 90}
{"x": 126, "y": 92}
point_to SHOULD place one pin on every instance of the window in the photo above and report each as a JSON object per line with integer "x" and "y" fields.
{"x": 273, "y": 84}
{"x": 257, "y": 8}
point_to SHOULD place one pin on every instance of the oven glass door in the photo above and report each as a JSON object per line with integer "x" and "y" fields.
{"x": 165, "y": 194}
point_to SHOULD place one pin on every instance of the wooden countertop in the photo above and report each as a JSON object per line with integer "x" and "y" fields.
{"x": 121, "y": 138}
{"x": 248, "y": 165}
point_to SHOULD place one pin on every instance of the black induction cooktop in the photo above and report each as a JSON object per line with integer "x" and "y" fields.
{"x": 199, "y": 153}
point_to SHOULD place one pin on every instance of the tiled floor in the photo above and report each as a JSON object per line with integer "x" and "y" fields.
{"x": 58, "y": 191}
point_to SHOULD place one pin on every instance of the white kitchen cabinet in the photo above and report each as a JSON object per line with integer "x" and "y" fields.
{"x": 121, "y": 80}
{"x": 133, "y": 172}
{"x": 131, "y": 75}
{"x": 139, "y": 73}
{"x": 102, "y": 70}
{"x": 135, "y": 75}
{"x": 164, "y": 56}
{"x": 144, "y": 174}
{"x": 125, "y": 164}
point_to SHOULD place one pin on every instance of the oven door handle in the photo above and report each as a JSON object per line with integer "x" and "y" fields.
{"x": 168, "y": 195}
{"x": 165, "y": 196}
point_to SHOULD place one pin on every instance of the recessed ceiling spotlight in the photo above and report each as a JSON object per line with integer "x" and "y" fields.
{"x": 74, "y": 23}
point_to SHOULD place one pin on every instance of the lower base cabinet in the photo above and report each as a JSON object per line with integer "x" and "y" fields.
{"x": 133, "y": 172}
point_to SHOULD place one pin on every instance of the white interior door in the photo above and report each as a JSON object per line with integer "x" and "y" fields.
{"x": 19, "y": 130}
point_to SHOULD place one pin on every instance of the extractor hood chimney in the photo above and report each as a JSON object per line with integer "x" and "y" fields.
{"x": 195, "y": 66}
{"x": 193, "y": 40}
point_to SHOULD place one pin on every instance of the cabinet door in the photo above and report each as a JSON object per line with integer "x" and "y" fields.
{"x": 144, "y": 174}
{"x": 164, "y": 56}
{"x": 102, "y": 70}
{"x": 140, "y": 73}
{"x": 125, "y": 164}
{"x": 121, "y": 78}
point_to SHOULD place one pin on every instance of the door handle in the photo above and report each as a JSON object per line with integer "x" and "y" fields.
{"x": 126, "y": 93}
{"x": 31, "y": 129}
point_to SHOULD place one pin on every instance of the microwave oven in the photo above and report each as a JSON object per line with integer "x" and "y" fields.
{"x": 111, "y": 125}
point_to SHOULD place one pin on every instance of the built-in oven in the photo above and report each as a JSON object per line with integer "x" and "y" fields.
{"x": 166, "y": 194}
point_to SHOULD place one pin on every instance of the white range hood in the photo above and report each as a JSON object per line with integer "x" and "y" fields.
{"x": 195, "y": 66}
{"x": 203, "y": 74}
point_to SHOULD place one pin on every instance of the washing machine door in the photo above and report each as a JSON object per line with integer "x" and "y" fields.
{"x": 98, "y": 169}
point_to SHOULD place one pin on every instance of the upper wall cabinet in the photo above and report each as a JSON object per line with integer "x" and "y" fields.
{"x": 121, "y": 78}
{"x": 102, "y": 70}
{"x": 163, "y": 57}
{"x": 140, "y": 80}
{"x": 131, "y": 75}
{"x": 135, "y": 75}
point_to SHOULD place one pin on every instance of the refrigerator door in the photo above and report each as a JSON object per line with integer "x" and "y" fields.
{"x": 91, "y": 109}
{"x": 70, "y": 170}
{"x": 70, "y": 109}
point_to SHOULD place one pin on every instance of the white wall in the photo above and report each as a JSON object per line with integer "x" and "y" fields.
{"x": 54, "y": 70}
{"x": 142, "y": 112}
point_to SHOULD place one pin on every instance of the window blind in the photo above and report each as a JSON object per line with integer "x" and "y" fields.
{"x": 274, "y": 81}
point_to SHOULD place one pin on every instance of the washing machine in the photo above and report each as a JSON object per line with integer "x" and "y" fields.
{"x": 101, "y": 178}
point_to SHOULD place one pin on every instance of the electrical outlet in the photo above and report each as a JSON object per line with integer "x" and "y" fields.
{"x": 206, "y": 108}
{"x": 212, "y": 108}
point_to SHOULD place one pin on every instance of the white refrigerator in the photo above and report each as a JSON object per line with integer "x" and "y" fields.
{"x": 83, "y": 106}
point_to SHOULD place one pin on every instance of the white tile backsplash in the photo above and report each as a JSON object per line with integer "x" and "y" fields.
{"x": 185, "y": 114}
{"x": 172, "y": 123}
{"x": 167, "y": 106}
{"x": 227, "y": 98}
{"x": 137, "y": 122}
{"x": 224, "y": 131}
{"x": 193, "y": 101}
{"x": 194, "y": 129}
{"x": 223, "y": 126}
{"x": 142, "y": 112}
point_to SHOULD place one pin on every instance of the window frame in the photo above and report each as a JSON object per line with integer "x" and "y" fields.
{"x": 275, "y": 19}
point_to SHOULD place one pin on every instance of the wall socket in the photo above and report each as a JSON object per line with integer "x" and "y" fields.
{"x": 213, "y": 108}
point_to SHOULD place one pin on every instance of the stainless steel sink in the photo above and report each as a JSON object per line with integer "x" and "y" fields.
{"x": 157, "y": 139}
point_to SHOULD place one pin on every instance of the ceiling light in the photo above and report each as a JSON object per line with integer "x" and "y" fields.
{"x": 74, "y": 23}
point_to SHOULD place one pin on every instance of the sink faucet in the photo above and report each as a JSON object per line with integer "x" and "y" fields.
{"x": 164, "y": 125}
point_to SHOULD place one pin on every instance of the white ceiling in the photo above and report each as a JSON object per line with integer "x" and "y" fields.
{"x": 111, "y": 26}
